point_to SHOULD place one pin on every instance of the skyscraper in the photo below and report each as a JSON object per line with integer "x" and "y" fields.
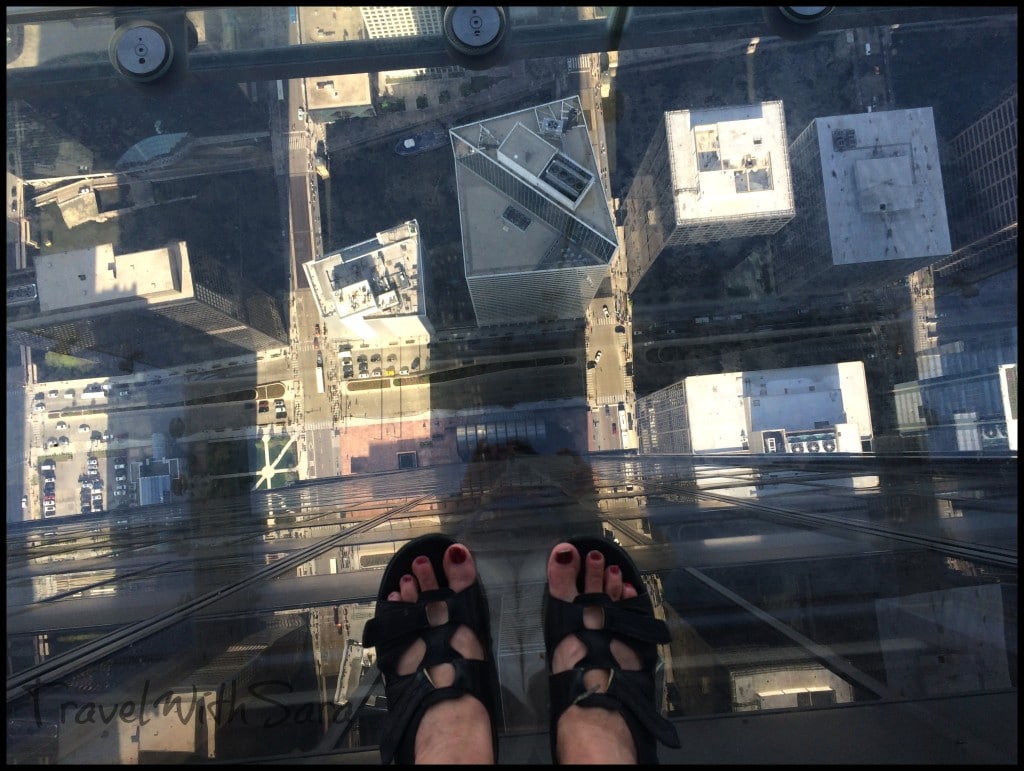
{"x": 965, "y": 397}
{"x": 869, "y": 203}
{"x": 155, "y": 306}
{"x": 983, "y": 193}
{"x": 537, "y": 230}
{"x": 817, "y": 409}
{"x": 373, "y": 291}
{"x": 709, "y": 175}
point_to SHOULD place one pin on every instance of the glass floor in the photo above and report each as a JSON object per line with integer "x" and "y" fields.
{"x": 734, "y": 288}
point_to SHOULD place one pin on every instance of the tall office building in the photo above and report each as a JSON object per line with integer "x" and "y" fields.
{"x": 384, "y": 22}
{"x": 372, "y": 292}
{"x": 869, "y": 203}
{"x": 817, "y": 409}
{"x": 537, "y": 229}
{"x": 157, "y": 306}
{"x": 965, "y": 399}
{"x": 983, "y": 193}
{"x": 709, "y": 175}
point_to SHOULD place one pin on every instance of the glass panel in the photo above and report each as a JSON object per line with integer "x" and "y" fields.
{"x": 729, "y": 287}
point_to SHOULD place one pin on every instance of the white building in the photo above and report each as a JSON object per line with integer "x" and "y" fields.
{"x": 709, "y": 175}
{"x": 816, "y": 410}
{"x": 537, "y": 229}
{"x": 372, "y": 291}
{"x": 869, "y": 199}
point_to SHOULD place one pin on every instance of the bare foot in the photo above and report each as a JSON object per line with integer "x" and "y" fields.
{"x": 455, "y": 730}
{"x": 590, "y": 734}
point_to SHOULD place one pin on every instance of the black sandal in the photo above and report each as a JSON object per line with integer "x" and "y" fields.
{"x": 397, "y": 625}
{"x": 632, "y": 622}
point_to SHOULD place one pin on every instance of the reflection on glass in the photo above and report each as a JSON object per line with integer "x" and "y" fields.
{"x": 745, "y": 306}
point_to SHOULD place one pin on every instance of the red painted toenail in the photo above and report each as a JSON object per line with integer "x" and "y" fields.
{"x": 457, "y": 555}
{"x": 421, "y": 561}
{"x": 614, "y": 570}
{"x": 563, "y": 557}
{"x": 407, "y": 579}
{"x": 594, "y": 556}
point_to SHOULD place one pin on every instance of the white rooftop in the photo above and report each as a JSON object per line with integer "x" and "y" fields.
{"x": 729, "y": 162}
{"x": 722, "y": 409}
{"x": 883, "y": 186}
{"x": 376, "y": 277}
{"x": 83, "y": 277}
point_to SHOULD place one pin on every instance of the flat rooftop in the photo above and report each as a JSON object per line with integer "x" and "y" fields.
{"x": 722, "y": 406}
{"x": 378, "y": 277}
{"x": 544, "y": 153}
{"x": 729, "y": 162}
{"x": 338, "y": 91}
{"x": 883, "y": 186}
{"x": 96, "y": 275}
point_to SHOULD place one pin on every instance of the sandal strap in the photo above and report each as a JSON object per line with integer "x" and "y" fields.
{"x": 631, "y": 693}
{"x": 395, "y": 627}
{"x": 410, "y": 696}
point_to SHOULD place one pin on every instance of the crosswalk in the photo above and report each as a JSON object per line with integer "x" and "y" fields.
{"x": 314, "y": 425}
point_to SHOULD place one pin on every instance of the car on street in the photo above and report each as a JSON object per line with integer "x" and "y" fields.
{"x": 53, "y": 394}
{"x": 316, "y": 328}
{"x": 392, "y": 358}
{"x": 264, "y": 406}
{"x": 64, "y": 441}
{"x": 62, "y": 426}
{"x": 597, "y": 357}
{"x": 84, "y": 428}
{"x": 39, "y": 407}
{"x": 375, "y": 357}
{"x": 403, "y": 371}
{"x": 605, "y": 309}
{"x": 316, "y": 343}
{"x": 364, "y": 374}
{"x": 376, "y": 372}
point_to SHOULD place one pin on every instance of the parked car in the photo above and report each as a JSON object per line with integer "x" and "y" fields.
{"x": 84, "y": 428}
{"x": 62, "y": 426}
{"x": 39, "y": 407}
{"x": 264, "y": 406}
{"x": 597, "y": 357}
{"x": 53, "y": 394}
{"x": 64, "y": 441}
{"x": 605, "y": 309}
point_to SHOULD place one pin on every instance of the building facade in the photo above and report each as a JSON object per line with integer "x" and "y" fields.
{"x": 709, "y": 175}
{"x": 537, "y": 229}
{"x": 983, "y": 193}
{"x": 158, "y": 307}
{"x": 870, "y": 205}
{"x": 372, "y": 292}
{"x": 965, "y": 398}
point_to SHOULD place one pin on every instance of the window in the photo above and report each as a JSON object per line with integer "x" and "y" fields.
{"x": 728, "y": 217}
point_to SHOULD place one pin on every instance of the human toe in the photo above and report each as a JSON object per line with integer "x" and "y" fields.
{"x": 562, "y": 571}
{"x": 459, "y": 567}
